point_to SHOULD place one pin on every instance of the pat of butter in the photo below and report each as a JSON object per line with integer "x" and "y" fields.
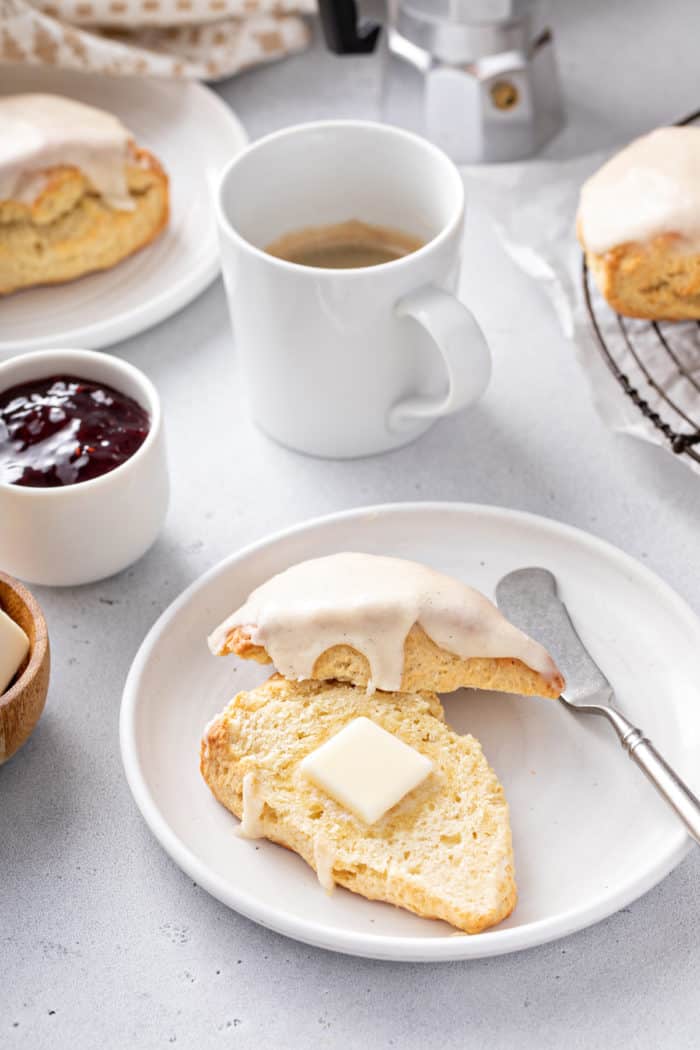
{"x": 366, "y": 769}
{"x": 14, "y": 646}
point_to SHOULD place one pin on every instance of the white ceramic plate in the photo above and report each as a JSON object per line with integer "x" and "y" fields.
{"x": 590, "y": 833}
{"x": 194, "y": 134}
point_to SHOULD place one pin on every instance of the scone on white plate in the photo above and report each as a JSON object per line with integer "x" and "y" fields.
{"x": 639, "y": 226}
{"x": 77, "y": 194}
{"x": 442, "y": 850}
{"x": 384, "y": 623}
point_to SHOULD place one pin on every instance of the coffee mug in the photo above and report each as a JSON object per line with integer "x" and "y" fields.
{"x": 348, "y": 362}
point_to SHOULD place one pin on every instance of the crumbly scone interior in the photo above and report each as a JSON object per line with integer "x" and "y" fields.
{"x": 444, "y": 851}
{"x": 426, "y": 666}
{"x": 657, "y": 281}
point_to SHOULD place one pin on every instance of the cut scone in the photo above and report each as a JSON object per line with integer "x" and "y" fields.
{"x": 444, "y": 851}
{"x": 639, "y": 226}
{"x": 384, "y": 623}
{"x": 425, "y": 666}
{"x": 76, "y": 193}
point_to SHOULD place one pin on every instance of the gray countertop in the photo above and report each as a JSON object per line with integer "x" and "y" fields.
{"x": 105, "y": 942}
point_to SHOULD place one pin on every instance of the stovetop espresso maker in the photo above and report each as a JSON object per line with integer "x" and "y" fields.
{"x": 489, "y": 85}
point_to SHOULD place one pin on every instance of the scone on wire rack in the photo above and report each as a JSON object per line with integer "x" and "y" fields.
{"x": 439, "y": 844}
{"x": 77, "y": 194}
{"x": 639, "y": 226}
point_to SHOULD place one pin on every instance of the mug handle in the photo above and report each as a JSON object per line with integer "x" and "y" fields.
{"x": 464, "y": 349}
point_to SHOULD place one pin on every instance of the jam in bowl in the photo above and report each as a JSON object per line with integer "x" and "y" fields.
{"x": 83, "y": 469}
{"x": 62, "y": 430}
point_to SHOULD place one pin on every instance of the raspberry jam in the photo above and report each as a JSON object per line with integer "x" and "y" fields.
{"x": 63, "y": 430}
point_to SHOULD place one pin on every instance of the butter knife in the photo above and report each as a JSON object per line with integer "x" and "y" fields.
{"x": 530, "y": 600}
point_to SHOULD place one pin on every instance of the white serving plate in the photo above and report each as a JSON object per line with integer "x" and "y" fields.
{"x": 194, "y": 134}
{"x": 590, "y": 833}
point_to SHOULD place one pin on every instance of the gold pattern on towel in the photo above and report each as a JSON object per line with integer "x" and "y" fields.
{"x": 152, "y": 37}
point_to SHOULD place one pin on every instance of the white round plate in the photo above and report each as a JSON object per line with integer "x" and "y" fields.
{"x": 590, "y": 834}
{"x": 194, "y": 134}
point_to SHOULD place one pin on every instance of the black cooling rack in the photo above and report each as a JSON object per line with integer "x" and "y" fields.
{"x": 655, "y": 362}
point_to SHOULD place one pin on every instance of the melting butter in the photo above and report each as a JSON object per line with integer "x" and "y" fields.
{"x": 371, "y": 602}
{"x": 366, "y": 769}
{"x": 39, "y": 132}
{"x": 649, "y": 188}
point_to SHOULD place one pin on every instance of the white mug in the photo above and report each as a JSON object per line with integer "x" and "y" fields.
{"x": 348, "y": 362}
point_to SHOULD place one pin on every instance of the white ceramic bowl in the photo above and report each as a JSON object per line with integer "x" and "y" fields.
{"x": 84, "y": 532}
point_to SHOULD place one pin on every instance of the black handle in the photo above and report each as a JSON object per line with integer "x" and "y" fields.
{"x": 344, "y": 36}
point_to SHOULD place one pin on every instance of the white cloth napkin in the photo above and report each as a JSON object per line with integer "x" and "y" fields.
{"x": 533, "y": 206}
{"x": 204, "y": 39}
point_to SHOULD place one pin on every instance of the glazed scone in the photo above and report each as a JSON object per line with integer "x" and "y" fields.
{"x": 639, "y": 226}
{"x": 444, "y": 851}
{"x": 76, "y": 193}
{"x": 384, "y": 623}
{"x": 425, "y": 666}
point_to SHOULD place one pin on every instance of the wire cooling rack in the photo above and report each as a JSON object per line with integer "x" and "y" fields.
{"x": 657, "y": 363}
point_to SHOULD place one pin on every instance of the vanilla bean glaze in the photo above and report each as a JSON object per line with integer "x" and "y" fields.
{"x": 371, "y": 603}
{"x": 41, "y": 132}
{"x": 649, "y": 188}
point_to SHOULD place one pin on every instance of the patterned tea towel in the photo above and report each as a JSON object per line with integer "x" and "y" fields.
{"x": 204, "y": 39}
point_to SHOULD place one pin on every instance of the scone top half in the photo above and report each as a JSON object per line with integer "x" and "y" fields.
{"x": 384, "y": 623}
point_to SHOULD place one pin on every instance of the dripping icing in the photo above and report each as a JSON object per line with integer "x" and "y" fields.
{"x": 253, "y": 802}
{"x": 370, "y": 603}
{"x": 40, "y": 132}
{"x": 324, "y": 859}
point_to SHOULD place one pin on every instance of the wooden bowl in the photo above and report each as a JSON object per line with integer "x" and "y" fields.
{"x": 21, "y": 705}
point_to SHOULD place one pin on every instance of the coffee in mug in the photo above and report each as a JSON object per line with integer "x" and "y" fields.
{"x": 344, "y": 245}
{"x": 343, "y": 351}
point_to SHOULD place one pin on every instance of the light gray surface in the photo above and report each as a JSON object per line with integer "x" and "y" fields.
{"x": 104, "y": 941}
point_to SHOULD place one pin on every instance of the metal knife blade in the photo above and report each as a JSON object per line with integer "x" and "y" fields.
{"x": 530, "y": 600}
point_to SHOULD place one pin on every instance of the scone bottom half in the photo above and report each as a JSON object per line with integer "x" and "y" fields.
{"x": 443, "y": 852}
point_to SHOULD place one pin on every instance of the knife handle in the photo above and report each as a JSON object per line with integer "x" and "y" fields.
{"x": 665, "y": 779}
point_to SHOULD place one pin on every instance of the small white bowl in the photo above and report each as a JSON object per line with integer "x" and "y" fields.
{"x": 84, "y": 532}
